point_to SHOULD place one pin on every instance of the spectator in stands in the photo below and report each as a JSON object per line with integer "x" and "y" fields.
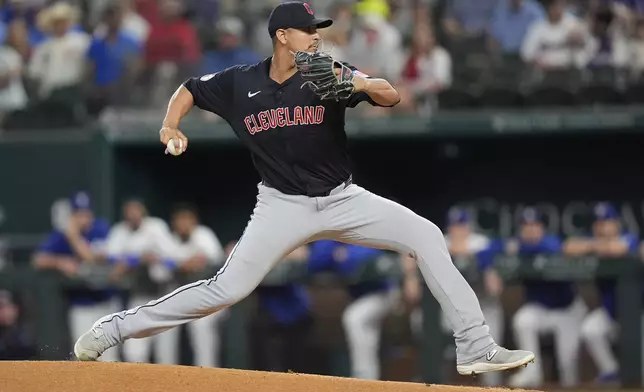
{"x": 371, "y": 302}
{"x": 600, "y": 329}
{"x": 198, "y": 249}
{"x": 609, "y": 44}
{"x": 466, "y": 18}
{"x": 15, "y": 342}
{"x": 335, "y": 38}
{"x": 26, "y": 12}
{"x": 375, "y": 47}
{"x": 172, "y": 51}
{"x": 230, "y": 50}
{"x": 636, "y": 51}
{"x": 205, "y": 11}
{"x": 172, "y": 37}
{"x": 114, "y": 62}
{"x": 58, "y": 64}
{"x": 13, "y": 96}
{"x": 143, "y": 245}
{"x": 427, "y": 72}
{"x": 550, "y": 308}
{"x": 284, "y": 322}
{"x": 510, "y": 24}
{"x": 133, "y": 24}
{"x": 81, "y": 243}
{"x": 18, "y": 38}
{"x": 560, "y": 41}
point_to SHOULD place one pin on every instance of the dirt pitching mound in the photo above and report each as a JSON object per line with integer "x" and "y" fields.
{"x": 125, "y": 377}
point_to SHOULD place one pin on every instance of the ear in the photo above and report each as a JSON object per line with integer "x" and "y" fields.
{"x": 281, "y": 36}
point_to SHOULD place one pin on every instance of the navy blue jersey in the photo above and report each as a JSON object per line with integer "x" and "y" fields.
{"x": 553, "y": 295}
{"x": 297, "y": 141}
{"x": 607, "y": 287}
{"x": 58, "y": 245}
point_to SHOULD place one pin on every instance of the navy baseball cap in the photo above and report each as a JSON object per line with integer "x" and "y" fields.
{"x": 295, "y": 15}
{"x": 80, "y": 201}
{"x": 605, "y": 211}
{"x": 531, "y": 215}
{"x": 457, "y": 215}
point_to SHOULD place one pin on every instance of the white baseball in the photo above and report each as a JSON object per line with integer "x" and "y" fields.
{"x": 174, "y": 150}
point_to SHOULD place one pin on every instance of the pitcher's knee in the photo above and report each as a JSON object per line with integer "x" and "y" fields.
{"x": 425, "y": 233}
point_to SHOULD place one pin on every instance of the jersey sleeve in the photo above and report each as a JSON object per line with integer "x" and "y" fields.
{"x": 213, "y": 92}
{"x": 356, "y": 98}
{"x": 56, "y": 243}
{"x": 632, "y": 242}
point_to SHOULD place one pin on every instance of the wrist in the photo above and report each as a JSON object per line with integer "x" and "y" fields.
{"x": 169, "y": 124}
{"x": 361, "y": 84}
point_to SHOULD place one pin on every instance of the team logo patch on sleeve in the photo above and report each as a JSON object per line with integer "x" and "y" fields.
{"x": 206, "y": 78}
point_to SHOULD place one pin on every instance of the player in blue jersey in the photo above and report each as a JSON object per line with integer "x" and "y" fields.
{"x": 82, "y": 241}
{"x": 550, "y": 307}
{"x": 600, "y": 329}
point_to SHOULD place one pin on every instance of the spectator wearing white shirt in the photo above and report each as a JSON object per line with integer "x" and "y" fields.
{"x": 610, "y": 48}
{"x": 558, "y": 42}
{"x": 13, "y": 96}
{"x": 375, "y": 47}
{"x": 58, "y": 64}
{"x": 141, "y": 241}
{"x": 428, "y": 70}
{"x": 197, "y": 249}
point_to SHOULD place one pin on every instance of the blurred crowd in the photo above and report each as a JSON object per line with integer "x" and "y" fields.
{"x": 162, "y": 256}
{"x": 63, "y": 62}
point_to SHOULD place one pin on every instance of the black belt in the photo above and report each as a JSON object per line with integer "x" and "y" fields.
{"x": 348, "y": 182}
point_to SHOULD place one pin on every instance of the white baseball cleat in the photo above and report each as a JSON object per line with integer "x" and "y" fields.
{"x": 495, "y": 360}
{"x": 91, "y": 344}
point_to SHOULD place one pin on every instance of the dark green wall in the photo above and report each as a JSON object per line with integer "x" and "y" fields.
{"x": 493, "y": 175}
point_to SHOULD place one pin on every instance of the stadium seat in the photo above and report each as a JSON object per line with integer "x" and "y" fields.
{"x": 599, "y": 94}
{"x": 634, "y": 94}
{"x": 500, "y": 97}
{"x": 456, "y": 98}
{"x": 550, "y": 97}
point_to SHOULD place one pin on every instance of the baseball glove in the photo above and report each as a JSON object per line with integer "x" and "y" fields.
{"x": 319, "y": 72}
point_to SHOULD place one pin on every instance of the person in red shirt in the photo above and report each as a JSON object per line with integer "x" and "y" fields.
{"x": 172, "y": 37}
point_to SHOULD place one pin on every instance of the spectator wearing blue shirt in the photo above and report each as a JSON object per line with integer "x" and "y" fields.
{"x": 114, "y": 61}
{"x": 600, "y": 328}
{"x": 284, "y": 322}
{"x": 467, "y": 18}
{"x": 372, "y": 302}
{"x": 511, "y": 21}
{"x": 230, "y": 50}
{"x": 550, "y": 308}
{"x": 83, "y": 241}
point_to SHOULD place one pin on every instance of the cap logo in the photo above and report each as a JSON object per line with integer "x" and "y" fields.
{"x": 82, "y": 200}
{"x": 308, "y": 8}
